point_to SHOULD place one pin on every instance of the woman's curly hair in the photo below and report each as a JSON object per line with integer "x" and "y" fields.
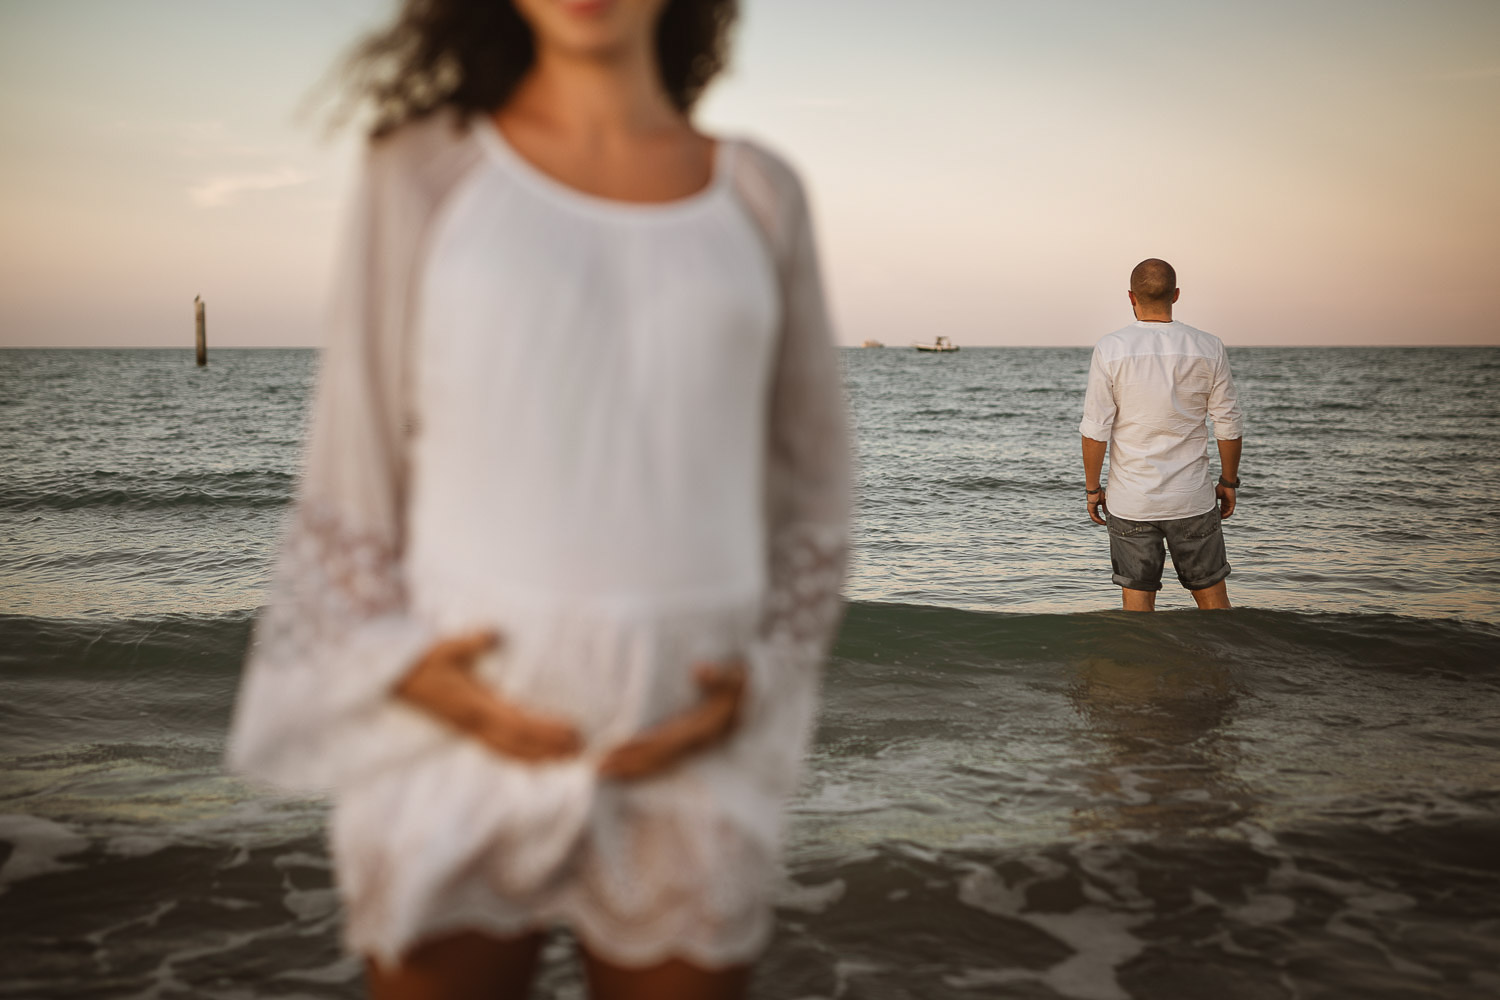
{"x": 470, "y": 54}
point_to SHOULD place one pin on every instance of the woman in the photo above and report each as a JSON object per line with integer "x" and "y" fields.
{"x": 572, "y": 521}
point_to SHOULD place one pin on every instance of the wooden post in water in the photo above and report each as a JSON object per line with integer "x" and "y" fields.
{"x": 202, "y": 330}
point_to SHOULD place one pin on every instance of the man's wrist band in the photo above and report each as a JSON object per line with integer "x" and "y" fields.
{"x": 1092, "y": 492}
{"x": 1228, "y": 485}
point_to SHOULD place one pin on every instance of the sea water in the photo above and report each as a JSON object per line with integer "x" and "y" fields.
{"x": 1016, "y": 791}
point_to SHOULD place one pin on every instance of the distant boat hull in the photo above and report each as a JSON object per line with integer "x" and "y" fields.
{"x": 936, "y": 348}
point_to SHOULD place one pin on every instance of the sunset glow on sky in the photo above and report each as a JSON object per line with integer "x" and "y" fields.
{"x": 1320, "y": 173}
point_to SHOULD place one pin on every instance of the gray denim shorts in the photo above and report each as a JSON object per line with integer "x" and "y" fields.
{"x": 1197, "y": 545}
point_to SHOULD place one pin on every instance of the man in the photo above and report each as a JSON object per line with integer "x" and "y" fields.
{"x": 1150, "y": 387}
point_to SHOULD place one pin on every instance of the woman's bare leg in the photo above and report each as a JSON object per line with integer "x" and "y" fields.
{"x": 463, "y": 966}
{"x": 673, "y": 979}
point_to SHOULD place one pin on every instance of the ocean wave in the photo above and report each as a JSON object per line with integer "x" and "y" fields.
{"x": 83, "y": 647}
{"x": 131, "y": 491}
{"x": 939, "y": 640}
{"x": 1246, "y": 636}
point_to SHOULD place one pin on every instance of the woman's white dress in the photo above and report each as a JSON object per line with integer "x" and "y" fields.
{"x": 614, "y": 433}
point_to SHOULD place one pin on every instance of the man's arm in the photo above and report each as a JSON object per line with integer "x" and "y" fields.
{"x": 1098, "y": 419}
{"x": 1093, "y": 469}
{"x": 1229, "y": 466}
{"x": 1229, "y": 429}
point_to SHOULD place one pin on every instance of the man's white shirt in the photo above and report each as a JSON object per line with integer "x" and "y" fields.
{"x": 1151, "y": 388}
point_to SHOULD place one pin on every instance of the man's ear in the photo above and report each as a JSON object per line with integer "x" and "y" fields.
{"x": 1176, "y": 293}
{"x": 1132, "y": 298}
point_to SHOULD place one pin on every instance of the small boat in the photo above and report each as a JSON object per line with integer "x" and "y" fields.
{"x": 941, "y": 344}
{"x": 872, "y": 343}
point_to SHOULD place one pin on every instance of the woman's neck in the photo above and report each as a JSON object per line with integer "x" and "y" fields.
{"x": 605, "y": 125}
{"x": 618, "y": 94}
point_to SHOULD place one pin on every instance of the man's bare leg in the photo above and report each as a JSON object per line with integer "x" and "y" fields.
{"x": 1138, "y": 600}
{"x": 673, "y": 978}
{"x": 1213, "y": 598}
{"x": 463, "y": 966}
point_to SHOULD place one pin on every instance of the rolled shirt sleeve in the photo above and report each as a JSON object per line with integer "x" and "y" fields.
{"x": 1223, "y": 405}
{"x": 1099, "y": 402}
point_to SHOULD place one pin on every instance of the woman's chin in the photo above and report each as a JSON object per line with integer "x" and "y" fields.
{"x": 588, "y": 9}
{"x": 590, "y": 28}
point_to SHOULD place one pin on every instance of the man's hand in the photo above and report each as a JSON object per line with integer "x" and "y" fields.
{"x": 668, "y": 743}
{"x": 1093, "y": 472}
{"x": 1098, "y": 509}
{"x": 1226, "y": 501}
{"x": 443, "y": 684}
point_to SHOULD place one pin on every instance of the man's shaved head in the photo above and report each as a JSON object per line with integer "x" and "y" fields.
{"x": 1153, "y": 281}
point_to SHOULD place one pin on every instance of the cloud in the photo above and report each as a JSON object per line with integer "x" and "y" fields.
{"x": 225, "y": 188}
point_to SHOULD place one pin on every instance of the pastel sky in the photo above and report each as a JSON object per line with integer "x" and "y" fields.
{"x": 1320, "y": 171}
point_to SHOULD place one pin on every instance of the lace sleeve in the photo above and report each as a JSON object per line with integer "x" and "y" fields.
{"x": 803, "y": 605}
{"x": 808, "y": 460}
{"x": 329, "y": 646}
{"x": 336, "y": 633}
{"x": 808, "y": 471}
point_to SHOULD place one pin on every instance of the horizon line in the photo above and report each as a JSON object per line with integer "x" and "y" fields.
{"x": 849, "y": 347}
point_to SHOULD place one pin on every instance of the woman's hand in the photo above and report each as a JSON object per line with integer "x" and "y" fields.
{"x": 443, "y": 684}
{"x": 705, "y": 725}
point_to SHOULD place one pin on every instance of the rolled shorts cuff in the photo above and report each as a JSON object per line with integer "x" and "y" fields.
{"x": 1129, "y": 584}
{"x": 1206, "y": 582}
